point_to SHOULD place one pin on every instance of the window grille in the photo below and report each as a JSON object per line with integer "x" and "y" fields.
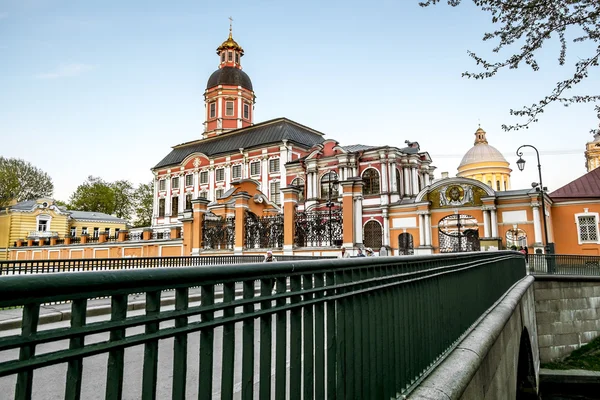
{"x": 229, "y": 108}
{"x": 220, "y": 174}
{"x": 204, "y": 177}
{"x": 371, "y": 181}
{"x": 275, "y": 194}
{"x": 373, "y": 235}
{"x": 255, "y": 168}
{"x": 174, "y": 206}
{"x": 189, "y": 180}
{"x": 329, "y": 186}
{"x": 236, "y": 172}
{"x": 162, "y": 185}
{"x": 246, "y": 111}
{"x": 219, "y": 193}
{"x": 161, "y": 207}
{"x": 175, "y": 183}
{"x": 203, "y": 195}
{"x": 213, "y": 110}
{"x": 588, "y": 228}
{"x": 274, "y": 165}
{"x": 299, "y": 183}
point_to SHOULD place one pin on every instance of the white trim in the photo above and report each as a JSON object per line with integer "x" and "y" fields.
{"x": 587, "y": 214}
{"x": 43, "y": 217}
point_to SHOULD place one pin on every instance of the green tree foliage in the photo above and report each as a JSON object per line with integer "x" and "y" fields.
{"x": 143, "y": 196}
{"x": 524, "y": 26}
{"x": 19, "y": 180}
{"x": 94, "y": 195}
{"x": 124, "y": 198}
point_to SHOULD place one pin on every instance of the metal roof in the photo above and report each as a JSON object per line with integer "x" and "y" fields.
{"x": 24, "y": 205}
{"x": 95, "y": 216}
{"x": 586, "y": 186}
{"x": 358, "y": 147}
{"x": 269, "y": 132}
{"x": 229, "y": 76}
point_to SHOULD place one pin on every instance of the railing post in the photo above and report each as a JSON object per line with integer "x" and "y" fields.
{"x": 241, "y": 205}
{"x": 53, "y": 241}
{"x": 102, "y": 237}
{"x": 290, "y": 200}
{"x": 122, "y": 236}
{"x": 67, "y": 240}
{"x": 84, "y": 238}
{"x": 147, "y": 234}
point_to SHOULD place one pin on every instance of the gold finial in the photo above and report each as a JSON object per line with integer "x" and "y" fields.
{"x": 230, "y": 43}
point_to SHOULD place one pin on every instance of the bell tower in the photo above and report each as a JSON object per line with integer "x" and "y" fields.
{"x": 229, "y": 97}
{"x": 592, "y": 153}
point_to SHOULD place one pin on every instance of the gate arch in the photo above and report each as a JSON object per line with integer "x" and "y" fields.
{"x": 458, "y": 233}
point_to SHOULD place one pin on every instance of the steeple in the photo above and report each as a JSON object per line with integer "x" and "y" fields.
{"x": 230, "y": 52}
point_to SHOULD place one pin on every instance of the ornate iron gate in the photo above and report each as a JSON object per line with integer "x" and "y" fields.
{"x": 218, "y": 233}
{"x": 406, "y": 245}
{"x": 373, "y": 235}
{"x": 263, "y": 232}
{"x": 318, "y": 228}
{"x": 458, "y": 232}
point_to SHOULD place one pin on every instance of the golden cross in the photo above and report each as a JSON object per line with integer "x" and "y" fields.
{"x": 230, "y": 23}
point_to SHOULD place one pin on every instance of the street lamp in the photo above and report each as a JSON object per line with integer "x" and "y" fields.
{"x": 330, "y": 204}
{"x": 521, "y": 165}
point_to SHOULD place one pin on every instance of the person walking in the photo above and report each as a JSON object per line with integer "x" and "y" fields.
{"x": 360, "y": 253}
{"x": 344, "y": 253}
{"x": 370, "y": 252}
{"x": 269, "y": 257}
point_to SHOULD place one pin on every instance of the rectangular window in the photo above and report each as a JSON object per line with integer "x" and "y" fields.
{"x": 588, "y": 228}
{"x": 255, "y": 168}
{"x": 42, "y": 225}
{"x": 236, "y": 172}
{"x": 229, "y": 108}
{"x": 162, "y": 185}
{"x": 203, "y": 195}
{"x": 229, "y": 56}
{"x": 246, "y": 111}
{"x": 204, "y": 177}
{"x": 220, "y": 174}
{"x": 161, "y": 207}
{"x": 237, "y": 58}
{"x": 96, "y": 232}
{"x": 274, "y": 165}
{"x": 188, "y": 201}
{"x": 73, "y": 231}
{"x": 223, "y": 57}
{"x": 174, "y": 206}
{"x": 117, "y": 231}
{"x": 219, "y": 193}
{"x": 84, "y": 230}
{"x": 275, "y": 193}
{"x": 189, "y": 180}
{"x": 107, "y": 231}
{"x": 175, "y": 183}
{"x": 213, "y": 109}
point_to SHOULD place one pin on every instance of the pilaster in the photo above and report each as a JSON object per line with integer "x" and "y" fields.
{"x": 290, "y": 200}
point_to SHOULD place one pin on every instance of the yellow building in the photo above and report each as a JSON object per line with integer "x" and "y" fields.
{"x": 41, "y": 221}
{"x": 485, "y": 164}
{"x": 592, "y": 153}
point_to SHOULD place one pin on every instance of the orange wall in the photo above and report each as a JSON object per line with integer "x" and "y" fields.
{"x": 565, "y": 229}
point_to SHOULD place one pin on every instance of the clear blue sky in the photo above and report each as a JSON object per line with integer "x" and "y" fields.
{"x": 105, "y": 88}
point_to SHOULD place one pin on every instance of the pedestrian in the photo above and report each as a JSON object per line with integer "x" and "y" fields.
{"x": 269, "y": 257}
{"x": 370, "y": 252}
{"x": 360, "y": 253}
{"x": 522, "y": 250}
{"x": 344, "y": 254}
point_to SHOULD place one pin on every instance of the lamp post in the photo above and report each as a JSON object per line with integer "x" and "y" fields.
{"x": 521, "y": 165}
{"x": 330, "y": 204}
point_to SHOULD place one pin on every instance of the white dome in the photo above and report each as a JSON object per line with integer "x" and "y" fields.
{"x": 482, "y": 152}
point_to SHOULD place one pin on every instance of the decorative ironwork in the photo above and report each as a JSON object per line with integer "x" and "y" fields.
{"x": 458, "y": 232}
{"x": 319, "y": 228}
{"x": 263, "y": 232}
{"x": 373, "y": 235}
{"x": 75, "y": 239}
{"x": 406, "y": 245}
{"x": 516, "y": 237}
{"x": 161, "y": 235}
{"x": 218, "y": 233}
{"x": 134, "y": 236}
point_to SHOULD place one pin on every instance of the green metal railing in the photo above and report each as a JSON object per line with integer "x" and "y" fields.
{"x": 564, "y": 264}
{"x": 102, "y": 264}
{"x": 349, "y": 328}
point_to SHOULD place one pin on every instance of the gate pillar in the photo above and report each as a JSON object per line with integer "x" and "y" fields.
{"x": 241, "y": 205}
{"x": 351, "y": 192}
{"x": 193, "y": 224}
{"x": 290, "y": 200}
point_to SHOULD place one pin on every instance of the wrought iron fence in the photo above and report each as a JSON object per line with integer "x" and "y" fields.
{"x": 75, "y": 239}
{"x": 358, "y": 328}
{"x": 17, "y": 267}
{"x": 318, "y": 228}
{"x": 134, "y": 236}
{"x": 218, "y": 233}
{"x": 564, "y": 264}
{"x": 263, "y": 232}
{"x": 161, "y": 235}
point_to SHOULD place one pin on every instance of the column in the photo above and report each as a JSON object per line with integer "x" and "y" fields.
{"x": 415, "y": 180}
{"x": 421, "y": 230}
{"x": 428, "y": 229}
{"x": 426, "y": 178}
{"x": 168, "y": 207}
{"x": 393, "y": 180}
{"x": 494, "y": 186}
{"x": 220, "y": 108}
{"x": 486, "y": 223}
{"x": 407, "y": 183}
{"x": 196, "y": 185}
{"x": 264, "y": 172}
{"x": 358, "y": 233}
{"x": 309, "y": 187}
{"x": 494, "y": 222}
{"x": 537, "y": 225}
{"x": 384, "y": 174}
{"x": 155, "y": 201}
{"x": 211, "y": 182}
{"x": 283, "y": 159}
{"x": 386, "y": 227}
{"x": 227, "y": 175}
{"x": 290, "y": 199}
{"x": 239, "y": 110}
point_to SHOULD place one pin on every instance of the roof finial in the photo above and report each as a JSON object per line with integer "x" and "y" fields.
{"x": 230, "y": 27}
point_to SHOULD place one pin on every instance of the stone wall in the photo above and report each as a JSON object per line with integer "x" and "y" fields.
{"x": 567, "y": 312}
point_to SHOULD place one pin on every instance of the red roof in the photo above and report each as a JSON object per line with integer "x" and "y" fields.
{"x": 587, "y": 186}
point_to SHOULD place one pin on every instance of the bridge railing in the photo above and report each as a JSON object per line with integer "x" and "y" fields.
{"x": 564, "y": 264}
{"x": 348, "y": 328}
{"x": 18, "y": 267}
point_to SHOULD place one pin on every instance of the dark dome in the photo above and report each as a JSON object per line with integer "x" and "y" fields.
{"x": 229, "y": 76}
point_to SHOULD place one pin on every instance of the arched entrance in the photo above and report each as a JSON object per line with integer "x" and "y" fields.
{"x": 406, "y": 245}
{"x": 458, "y": 233}
{"x": 373, "y": 235}
{"x": 516, "y": 237}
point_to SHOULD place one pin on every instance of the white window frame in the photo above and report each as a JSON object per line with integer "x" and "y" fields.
{"x": 227, "y": 113}
{"x": 73, "y": 231}
{"x": 271, "y": 170}
{"x": 238, "y": 168}
{"x": 96, "y": 232}
{"x": 212, "y": 109}
{"x": 203, "y": 174}
{"x": 217, "y": 195}
{"x": 275, "y": 197}
{"x": 84, "y": 230}
{"x": 43, "y": 217}
{"x": 217, "y": 174}
{"x": 257, "y": 162}
{"x": 246, "y": 111}
{"x": 173, "y": 180}
{"x": 162, "y": 185}
{"x": 587, "y": 214}
{"x": 191, "y": 176}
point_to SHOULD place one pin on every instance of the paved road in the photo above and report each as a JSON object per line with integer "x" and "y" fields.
{"x": 49, "y": 382}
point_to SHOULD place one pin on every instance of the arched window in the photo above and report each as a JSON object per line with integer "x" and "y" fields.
{"x": 299, "y": 184}
{"x": 373, "y": 235}
{"x": 370, "y": 179}
{"x": 406, "y": 244}
{"x": 329, "y": 185}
